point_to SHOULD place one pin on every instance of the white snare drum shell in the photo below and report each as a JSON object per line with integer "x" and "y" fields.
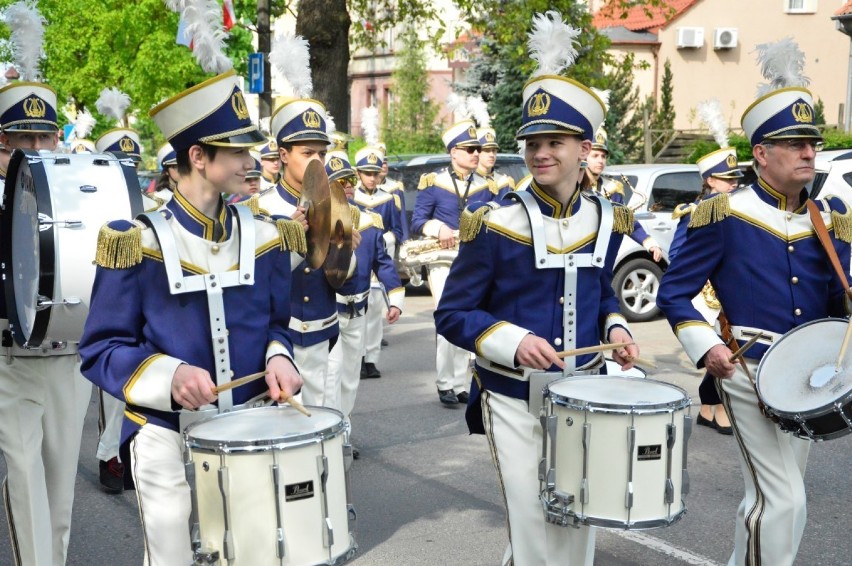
{"x": 254, "y": 445}
{"x": 604, "y": 409}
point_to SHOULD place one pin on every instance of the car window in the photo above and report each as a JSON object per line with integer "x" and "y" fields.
{"x": 672, "y": 189}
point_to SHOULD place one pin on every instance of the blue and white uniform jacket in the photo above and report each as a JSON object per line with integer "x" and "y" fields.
{"x": 769, "y": 270}
{"x": 372, "y": 257}
{"x": 440, "y": 201}
{"x": 614, "y": 191}
{"x": 137, "y": 333}
{"x": 494, "y": 296}
{"x": 502, "y": 182}
{"x": 397, "y": 189}
{"x": 385, "y": 205}
{"x": 313, "y": 316}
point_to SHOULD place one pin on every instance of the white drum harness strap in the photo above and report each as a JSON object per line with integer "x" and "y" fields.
{"x": 212, "y": 283}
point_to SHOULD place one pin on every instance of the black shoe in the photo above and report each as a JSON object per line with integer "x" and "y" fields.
{"x": 448, "y": 397}
{"x": 356, "y": 454}
{"x": 370, "y": 371}
{"x": 384, "y": 342}
{"x": 111, "y": 475}
{"x": 363, "y": 369}
{"x": 706, "y": 422}
{"x": 463, "y": 397}
{"x": 726, "y": 430}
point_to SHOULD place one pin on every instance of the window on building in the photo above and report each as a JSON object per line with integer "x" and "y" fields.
{"x": 800, "y": 6}
{"x": 371, "y": 96}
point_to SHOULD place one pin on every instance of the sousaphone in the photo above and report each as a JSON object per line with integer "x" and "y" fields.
{"x": 329, "y": 224}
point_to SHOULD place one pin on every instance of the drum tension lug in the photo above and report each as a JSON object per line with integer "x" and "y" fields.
{"x": 206, "y": 558}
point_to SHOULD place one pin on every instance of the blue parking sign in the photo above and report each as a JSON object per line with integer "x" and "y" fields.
{"x": 255, "y": 73}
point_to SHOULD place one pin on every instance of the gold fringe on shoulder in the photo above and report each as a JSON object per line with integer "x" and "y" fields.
{"x": 492, "y": 186}
{"x": 292, "y": 236}
{"x": 471, "y": 223}
{"x": 157, "y": 201}
{"x": 355, "y": 213}
{"x": 682, "y": 210}
{"x": 377, "y": 220}
{"x": 622, "y": 221}
{"x": 119, "y": 249}
{"x": 842, "y": 225}
{"x": 427, "y": 179}
{"x": 397, "y": 202}
{"x": 252, "y": 203}
{"x": 710, "y": 211}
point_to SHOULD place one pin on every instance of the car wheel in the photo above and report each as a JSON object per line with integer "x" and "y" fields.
{"x": 636, "y": 284}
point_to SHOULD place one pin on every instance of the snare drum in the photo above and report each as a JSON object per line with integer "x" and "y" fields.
{"x": 269, "y": 486}
{"x": 614, "y": 452}
{"x": 53, "y": 208}
{"x": 798, "y": 384}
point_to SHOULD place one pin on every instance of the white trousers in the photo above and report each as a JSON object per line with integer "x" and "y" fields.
{"x": 110, "y": 419}
{"x": 312, "y": 362}
{"x": 43, "y": 402}
{"x": 156, "y": 458}
{"x": 344, "y": 363}
{"x": 771, "y": 517}
{"x": 515, "y": 438}
{"x": 375, "y": 328}
{"x": 452, "y": 363}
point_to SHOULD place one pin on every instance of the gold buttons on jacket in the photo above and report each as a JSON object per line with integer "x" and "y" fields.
{"x": 307, "y": 299}
{"x": 214, "y": 249}
{"x": 558, "y": 341}
{"x": 305, "y": 327}
{"x": 789, "y": 216}
{"x": 565, "y": 223}
{"x": 794, "y": 280}
{"x": 790, "y": 248}
{"x": 561, "y": 300}
{"x": 797, "y": 312}
{"x": 307, "y": 270}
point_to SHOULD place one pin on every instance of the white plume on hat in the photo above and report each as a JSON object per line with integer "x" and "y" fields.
{"x": 27, "y": 35}
{"x": 204, "y": 27}
{"x": 604, "y": 96}
{"x": 781, "y": 63}
{"x": 551, "y": 43}
{"x": 458, "y": 106}
{"x": 84, "y": 124}
{"x": 113, "y": 103}
{"x": 291, "y": 56}
{"x": 370, "y": 125}
{"x": 263, "y": 126}
{"x": 479, "y": 110}
{"x": 176, "y": 5}
{"x": 710, "y": 113}
{"x": 330, "y": 126}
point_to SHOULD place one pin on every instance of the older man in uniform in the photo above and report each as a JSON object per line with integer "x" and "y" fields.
{"x": 788, "y": 282}
{"x": 441, "y": 198}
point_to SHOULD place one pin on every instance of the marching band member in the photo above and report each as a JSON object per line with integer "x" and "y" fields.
{"x": 83, "y": 124}
{"x": 514, "y": 316}
{"x": 758, "y": 248}
{"x": 251, "y": 184}
{"x": 441, "y": 198}
{"x": 270, "y": 165}
{"x": 487, "y": 159}
{"x": 352, "y": 297}
{"x": 367, "y": 196}
{"x": 153, "y": 348}
{"x": 395, "y": 188}
{"x": 166, "y": 183}
{"x": 43, "y": 396}
{"x": 114, "y": 103}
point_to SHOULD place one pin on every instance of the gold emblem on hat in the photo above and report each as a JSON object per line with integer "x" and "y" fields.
{"x": 311, "y": 119}
{"x": 538, "y": 105}
{"x": 35, "y": 107}
{"x": 126, "y": 145}
{"x": 489, "y": 137}
{"x": 80, "y": 147}
{"x": 238, "y": 103}
{"x": 599, "y": 138}
{"x": 273, "y": 146}
{"x": 471, "y": 131}
{"x": 731, "y": 160}
{"x": 335, "y": 164}
{"x": 803, "y": 113}
{"x": 372, "y": 159}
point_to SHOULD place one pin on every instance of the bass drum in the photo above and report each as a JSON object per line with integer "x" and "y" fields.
{"x": 54, "y": 205}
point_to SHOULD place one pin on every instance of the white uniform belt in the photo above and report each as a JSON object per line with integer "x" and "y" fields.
{"x": 305, "y": 326}
{"x": 356, "y": 298}
{"x": 47, "y": 349}
{"x": 747, "y": 333}
{"x": 523, "y": 373}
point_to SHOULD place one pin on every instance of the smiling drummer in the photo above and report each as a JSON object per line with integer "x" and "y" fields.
{"x": 758, "y": 248}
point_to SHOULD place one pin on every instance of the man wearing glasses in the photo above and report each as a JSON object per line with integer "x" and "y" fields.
{"x": 441, "y": 198}
{"x": 789, "y": 282}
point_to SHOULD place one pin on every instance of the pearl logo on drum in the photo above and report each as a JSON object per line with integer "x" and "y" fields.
{"x": 649, "y": 452}
{"x": 298, "y": 491}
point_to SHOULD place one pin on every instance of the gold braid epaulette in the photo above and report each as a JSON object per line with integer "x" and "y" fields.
{"x": 377, "y": 220}
{"x": 253, "y": 204}
{"x": 710, "y": 211}
{"x": 471, "y": 222}
{"x": 492, "y": 186}
{"x": 157, "y": 200}
{"x": 292, "y": 236}
{"x": 841, "y": 223}
{"x": 355, "y": 214}
{"x": 622, "y": 220}
{"x": 119, "y": 249}
{"x": 427, "y": 179}
{"x": 682, "y": 210}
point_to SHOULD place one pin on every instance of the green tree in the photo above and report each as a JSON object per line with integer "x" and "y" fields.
{"x": 664, "y": 113}
{"x": 623, "y": 121}
{"x": 409, "y": 124}
{"x": 819, "y": 112}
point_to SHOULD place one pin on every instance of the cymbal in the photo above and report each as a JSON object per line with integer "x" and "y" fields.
{"x": 317, "y": 200}
{"x": 339, "y": 256}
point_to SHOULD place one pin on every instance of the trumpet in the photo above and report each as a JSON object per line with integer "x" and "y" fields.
{"x": 414, "y": 254}
{"x": 643, "y": 198}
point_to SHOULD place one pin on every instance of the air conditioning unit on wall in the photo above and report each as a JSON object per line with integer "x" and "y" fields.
{"x": 690, "y": 38}
{"x": 725, "y": 38}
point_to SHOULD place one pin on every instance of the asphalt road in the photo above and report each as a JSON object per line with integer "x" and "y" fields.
{"x": 426, "y": 493}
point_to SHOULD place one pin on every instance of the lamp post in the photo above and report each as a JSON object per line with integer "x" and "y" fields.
{"x": 844, "y": 25}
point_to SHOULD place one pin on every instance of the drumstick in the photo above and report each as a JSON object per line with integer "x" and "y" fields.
{"x": 592, "y": 349}
{"x": 843, "y": 346}
{"x": 742, "y": 350}
{"x": 644, "y": 362}
{"x": 295, "y": 404}
{"x": 240, "y": 381}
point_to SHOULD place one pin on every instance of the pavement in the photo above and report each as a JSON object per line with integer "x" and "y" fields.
{"x": 426, "y": 493}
